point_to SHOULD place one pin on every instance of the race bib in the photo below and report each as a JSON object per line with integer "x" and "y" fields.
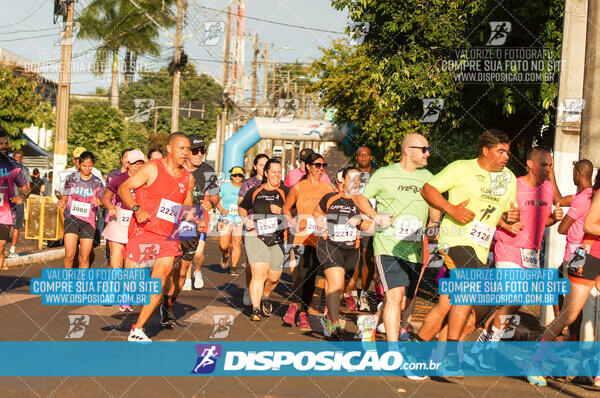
{"x": 311, "y": 225}
{"x": 1, "y": 199}
{"x": 169, "y": 211}
{"x": 233, "y": 210}
{"x": 266, "y": 226}
{"x": 187, "y": 230}
{"x": 343, "y": 233}
{"x": 125, "y": 217}
{"x": 373, "y": 203}
{"x": 409, "y": 229}
{"x": 80, "y": 209}
{"x": 481, "y": 233}
{"x": 530, "y": 258}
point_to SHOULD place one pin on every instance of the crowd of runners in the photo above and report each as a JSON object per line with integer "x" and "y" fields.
{"x": 377, "y": 227}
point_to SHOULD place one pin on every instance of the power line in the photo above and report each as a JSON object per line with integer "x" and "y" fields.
{"x": 27, "y": 38}
{"x": 27, "y": 30}
{"x": 27, "y": 17}
{"x": 273, "y": 22}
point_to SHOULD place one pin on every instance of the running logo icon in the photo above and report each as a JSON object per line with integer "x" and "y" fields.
{"x": 213, "y": 31}
{"x": 431, "y": 109}
{"x": 287, "y": 110}
{"x": 499, "y": 182}
{"x": 148, "y": 253}
{"x": 207, "y": 358}
{"x": 222, "y": 325}
{"x": 77, "y": 324}
{"x": 358, "y": 32}
{"x": 500, "y": 31}
{"x": 509, "y": 324}
{"x": 66, "y": 39}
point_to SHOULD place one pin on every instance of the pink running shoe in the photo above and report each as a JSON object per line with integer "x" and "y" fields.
{"x": 290, "y": 315}
{"x": 303, "y": 321}
{"x": 125, "y": 307}
{"x": 350, "y": 303}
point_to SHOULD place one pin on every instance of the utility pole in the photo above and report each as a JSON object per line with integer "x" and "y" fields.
{"x": 62, "y": 100}
{"x": 266, "y": 73}
{"x": 254, "y": 66}
{"x": 177, "y": 74}
{"x": 287, "y": 96}
{"x": 223, "y": 124}
{"x": 273, "y": 82}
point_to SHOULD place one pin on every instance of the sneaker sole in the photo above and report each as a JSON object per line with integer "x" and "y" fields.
{"x": 255, "y": 318}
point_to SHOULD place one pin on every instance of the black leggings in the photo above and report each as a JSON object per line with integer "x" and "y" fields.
{"x": 307, "y": 269}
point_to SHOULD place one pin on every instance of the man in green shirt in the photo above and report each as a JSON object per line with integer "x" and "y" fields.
{"x": 480, "y": 192}
{"x": 402, "y": 213}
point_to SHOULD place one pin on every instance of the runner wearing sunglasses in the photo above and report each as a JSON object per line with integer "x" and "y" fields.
{"x": 305, "y": 196}
{"x": 230, "y": 226}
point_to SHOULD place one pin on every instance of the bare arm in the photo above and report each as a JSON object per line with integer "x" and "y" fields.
{"x": 565, "y": 224}
{"x": 435, "y": 199}
{"x": 290, "y": 201}
{"x": 144, "y": 177}
{"x": 591, "y": 225}
{"x": 106, "y": 202}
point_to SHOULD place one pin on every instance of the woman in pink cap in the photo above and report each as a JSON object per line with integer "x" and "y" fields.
{"x": 119, "y": 214}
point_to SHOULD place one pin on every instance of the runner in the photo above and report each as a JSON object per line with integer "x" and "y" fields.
{"x": 398, "y": 248}
{"x": 583, "y": 266}
{"x": 12, "y": 175}
{"x": 366, "y": 265}
{"x": 65, "y": 173}
{"x": 119, "y": 216}
{"x": 338, "y": 247}
{"x": 518, "y": 245}
{"x": 19, "y": 208}
{"x": 480, "y": 192}
{"x": 295, "y": 175}
{"x": 81, "y": 199}
{"x": 155, "y": 153}
{"x": 305, "y": 195}
{"x": 265, "y": 233}
{"x": 230, "y": 228}
{"x": 205, "y": 195}
{"x": 161, "y": 188}
{"x": 255, "y": 180}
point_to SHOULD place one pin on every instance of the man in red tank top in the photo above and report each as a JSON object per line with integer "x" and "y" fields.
{"x": 161, "y": 188}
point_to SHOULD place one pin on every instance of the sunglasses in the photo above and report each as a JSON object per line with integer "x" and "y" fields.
{"x": 238, "y": 175}
{"x": 201, "y": 150}
{"x": 319, "y": 165}
{"x": 423, "y": 148}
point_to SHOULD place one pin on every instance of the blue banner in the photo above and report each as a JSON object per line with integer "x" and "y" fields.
{"x": 281, "y": 358}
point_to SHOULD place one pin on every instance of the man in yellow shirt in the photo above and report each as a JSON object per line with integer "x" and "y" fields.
{"x": 480, "y": 192}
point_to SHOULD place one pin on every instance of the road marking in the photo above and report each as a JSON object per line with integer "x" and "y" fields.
{"x": 205, "y": 316}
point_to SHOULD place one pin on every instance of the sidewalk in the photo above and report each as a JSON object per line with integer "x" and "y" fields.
{"x": 28, "y": 253}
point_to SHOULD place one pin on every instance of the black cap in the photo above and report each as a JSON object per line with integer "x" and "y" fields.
{"x": 196, "y": 141}
{"x": 305, "y": 153}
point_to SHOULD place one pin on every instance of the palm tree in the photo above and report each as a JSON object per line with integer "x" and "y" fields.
{"x": 118, "y": 24}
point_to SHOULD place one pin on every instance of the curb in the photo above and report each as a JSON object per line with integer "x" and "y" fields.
{"x": 33, "y": 258}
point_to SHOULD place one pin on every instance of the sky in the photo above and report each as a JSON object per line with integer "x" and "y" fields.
{"x": 27, "y": 29}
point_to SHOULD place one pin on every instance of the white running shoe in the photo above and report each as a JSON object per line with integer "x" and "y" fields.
{"x": 363, "y": 303}
{"x": 246, "y": 299}
{"x": 198, "y": 281}
{"x": 187, "y": 285}
{"x": 137, "y": 335}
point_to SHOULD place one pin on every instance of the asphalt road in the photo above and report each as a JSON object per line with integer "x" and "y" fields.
{"x": 24, "y": 318}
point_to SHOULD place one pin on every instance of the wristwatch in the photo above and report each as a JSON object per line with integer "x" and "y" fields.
{"x": 135, "y": 208}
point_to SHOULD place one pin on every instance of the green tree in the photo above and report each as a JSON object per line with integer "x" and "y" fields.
{"x": 104, "y": 131}
{"x": 20, "y": 107}
{"x": 379, "y": 86}
{"x": 119, "y": 24}
{"x": 201, "y": 89}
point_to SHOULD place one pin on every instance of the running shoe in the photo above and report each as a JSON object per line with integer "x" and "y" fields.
{"x": 327, "y": 325}
{"x": 255, "y": 315}
{"x": 233, "y": 271}
{"x": 480, "y": 361}
{"x": 187, "y": 285}
{"x": 597, "y": 381}
{"x": 246, "y": 299}
{"x": 451, "y": 367}
{"x": 367, "y": 327}
{"x": 125, "y": 307}
{"x": 403, "y": 334}
{"x": 166, "y": 316}
{"x": 267, "y": 307}
{"x": 302, "y": 322}
{"x": 532, "y": 367}
{"x": 337, "y": 333}
{"x": 138, "y": 335}
{"x": 381, "y": 328}
{"x": 537, "y": 380}
{"x": 350, "y": 303}
{"x": 409, "y": 373}
{"x": 198, "y": 281}
{"x": 224, "y": 260}
{"x": 363, "y": 303}
{"x": 290, "y": 315}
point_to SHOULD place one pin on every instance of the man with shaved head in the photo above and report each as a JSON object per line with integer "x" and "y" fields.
{"x": 402, "y": 215}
